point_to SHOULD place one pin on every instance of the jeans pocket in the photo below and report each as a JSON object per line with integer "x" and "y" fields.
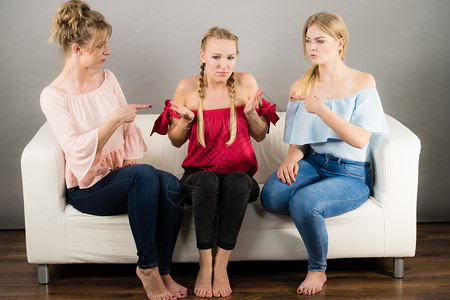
{"x": 355, "y": 170}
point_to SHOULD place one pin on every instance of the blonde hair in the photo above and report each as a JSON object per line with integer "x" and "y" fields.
{"x": 224, "y": 34}
{"x": 75, "y": 22}
{"x": 333, "y": 25}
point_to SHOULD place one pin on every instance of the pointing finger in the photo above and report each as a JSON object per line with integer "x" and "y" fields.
{"x": 140, "y": 106}
{"x": 298, "y": 98}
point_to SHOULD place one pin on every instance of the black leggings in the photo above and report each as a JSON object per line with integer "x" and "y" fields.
{"x": 216, "y": 195}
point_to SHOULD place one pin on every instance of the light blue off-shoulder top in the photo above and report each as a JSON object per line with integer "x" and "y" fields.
{"x": 363, "y": 109}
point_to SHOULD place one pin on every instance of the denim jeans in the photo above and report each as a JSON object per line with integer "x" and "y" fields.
{"x": 218, "y": 196}
{"x": 325, "y": 186}
{"x": 152, "y": 199}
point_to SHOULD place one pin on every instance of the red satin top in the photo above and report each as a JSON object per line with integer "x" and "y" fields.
{"x": 217, "y": 157}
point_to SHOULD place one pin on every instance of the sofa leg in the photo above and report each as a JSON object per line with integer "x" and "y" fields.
{"x": 43, "y": 274}
{"x": 399, "y": 267}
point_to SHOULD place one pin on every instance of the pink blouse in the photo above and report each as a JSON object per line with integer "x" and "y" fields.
{"x": 74, "y": 120}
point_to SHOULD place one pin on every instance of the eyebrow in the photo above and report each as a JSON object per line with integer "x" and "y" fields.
{"x": 319, "y": 37}
{"x": 232, "y": 54}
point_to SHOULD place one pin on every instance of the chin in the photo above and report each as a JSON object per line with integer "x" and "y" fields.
{"x": 222, "y": 79}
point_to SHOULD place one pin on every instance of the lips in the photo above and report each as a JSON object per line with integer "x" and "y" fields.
{"x": 222, "y": 73}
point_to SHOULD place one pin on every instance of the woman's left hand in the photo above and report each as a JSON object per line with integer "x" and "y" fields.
{"x": 313, "y": 104}
{"x": 127, "y": 163}
{"x": 252, "y": 104}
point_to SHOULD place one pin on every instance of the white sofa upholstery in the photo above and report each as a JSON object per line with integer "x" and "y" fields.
{"x": 384, "y": 226}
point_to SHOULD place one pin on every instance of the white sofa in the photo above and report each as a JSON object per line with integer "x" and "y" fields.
{"x": 384, "y": 226}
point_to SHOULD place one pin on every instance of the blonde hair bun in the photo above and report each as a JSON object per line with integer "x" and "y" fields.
{"x": 73, "y": 22}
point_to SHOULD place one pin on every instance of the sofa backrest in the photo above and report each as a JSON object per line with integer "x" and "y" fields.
{"x": 270, "y": 153}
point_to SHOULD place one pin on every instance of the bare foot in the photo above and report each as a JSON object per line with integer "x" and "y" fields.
{"x": 203, "y": 287}
{"x": 312, "y": 284}
{"x": 221, "y": 283}
{"x": 178, "y": 290}
{"x": 153, "y": 284}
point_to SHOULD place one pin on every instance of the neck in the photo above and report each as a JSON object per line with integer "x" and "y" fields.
{"x": 77, "y": 74}
{"x": 215, "y": 85}
{"x": 332, "y": 71}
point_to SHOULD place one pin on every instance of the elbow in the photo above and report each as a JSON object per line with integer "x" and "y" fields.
{"x": 361, "y": 144}
{"x": 176, "y": 143}
{"x": 362, "y": 141}
{"x": 259, "y": 138}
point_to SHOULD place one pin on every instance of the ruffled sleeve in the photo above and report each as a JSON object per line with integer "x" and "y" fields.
{"x": 163, "y": 122}
{"x": 362, "y": 109}
{"x": 134, "y": 144}
{"x": 268, "y": 110}
{"x": 80, "y": 149}
{"x": 368, "y": 113}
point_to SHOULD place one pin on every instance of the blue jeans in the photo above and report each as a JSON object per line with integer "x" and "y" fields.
{"x": 152, "y": 199}
{"x": 325, "y": 186}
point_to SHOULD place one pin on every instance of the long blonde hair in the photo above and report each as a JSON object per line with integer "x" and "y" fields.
{"x": 224, "y": 34}
{"x": 75, "y": 22}
{"x": 333, "y": 25}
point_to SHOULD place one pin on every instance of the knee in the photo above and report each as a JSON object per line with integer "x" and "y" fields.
{"x": 144, "y": 172}
{"x": 206, "y": 179}
{"x": 303, "y": 206}
{"x": 236, "y": 180}
{"x": 168, "y": 181}
{"x": 272, "y": 200}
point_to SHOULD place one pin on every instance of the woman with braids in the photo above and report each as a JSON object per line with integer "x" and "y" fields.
{"x": 95, "y": 127}
{"x": 217, "y": 111}
{"x": 333, "y": 112}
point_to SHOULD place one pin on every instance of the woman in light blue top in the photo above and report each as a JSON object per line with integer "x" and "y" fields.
{"x": 332, "y": 114}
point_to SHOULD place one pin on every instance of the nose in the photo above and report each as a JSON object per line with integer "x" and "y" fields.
{"x": 107, "y": 50}
{"x": 313, "y": 47}
{"x": 223, "y": 63}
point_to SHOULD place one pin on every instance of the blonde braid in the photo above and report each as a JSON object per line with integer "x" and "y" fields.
{"x": 218, "y": 33}
{"x": 201, "y": 95}
{"x": 233, "y": 122}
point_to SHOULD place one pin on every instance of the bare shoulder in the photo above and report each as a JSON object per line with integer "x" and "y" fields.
{"x": 185, "y": 88}
{"x": 362, "y": 80}
{"x": 188, "y": 84}
{"x": 245, "y": 81}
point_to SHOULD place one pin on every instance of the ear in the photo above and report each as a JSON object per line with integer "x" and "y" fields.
{"x": 202, "y": 56}
{"x": 340, "y": 44}
{"x": 76, "y": 49}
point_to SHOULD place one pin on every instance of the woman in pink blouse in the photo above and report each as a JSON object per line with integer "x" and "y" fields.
{"x": 217, "y": 111}
{"x": 95, "y": 127}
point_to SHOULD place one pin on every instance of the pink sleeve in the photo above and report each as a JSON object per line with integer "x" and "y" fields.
{"x": 133, "y": 142}
{"x": 163, "y": 122}
{"x": 268, "y": 110}
{"x": 79, "y": 149}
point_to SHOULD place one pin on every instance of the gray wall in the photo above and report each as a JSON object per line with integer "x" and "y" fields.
{"x": 404, "y": 44}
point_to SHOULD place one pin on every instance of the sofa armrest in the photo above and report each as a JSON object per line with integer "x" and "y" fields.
{"x": 44, "y": 189}
{"x": 396, "y": 166}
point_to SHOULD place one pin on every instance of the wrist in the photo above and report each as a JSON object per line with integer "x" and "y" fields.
{"x": 323, "y": 112}
{"x": 252, "y": 115}
{"x": 184, "y": 124}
